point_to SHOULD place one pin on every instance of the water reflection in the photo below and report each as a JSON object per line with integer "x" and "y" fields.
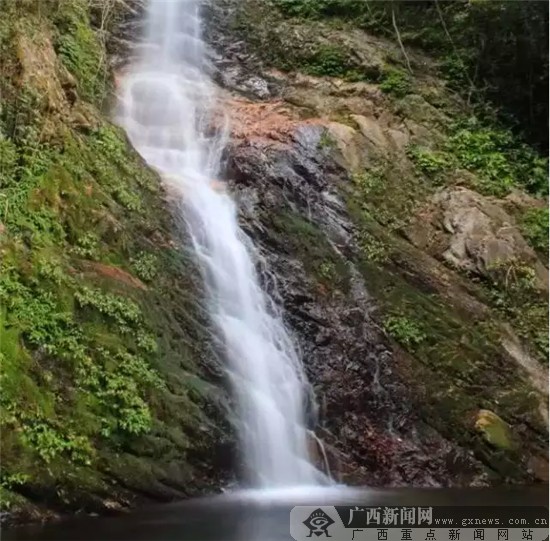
{"x": 256, "y": 515}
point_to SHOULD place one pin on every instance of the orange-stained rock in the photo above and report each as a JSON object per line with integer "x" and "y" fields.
{"x": 115, "y": 273}
{"x": 268, "y": 123}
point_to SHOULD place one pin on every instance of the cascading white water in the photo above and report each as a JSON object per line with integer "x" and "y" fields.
{"x": 168, "y": 106}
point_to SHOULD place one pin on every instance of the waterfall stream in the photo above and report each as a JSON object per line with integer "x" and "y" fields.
{"x": 171, "y": 111}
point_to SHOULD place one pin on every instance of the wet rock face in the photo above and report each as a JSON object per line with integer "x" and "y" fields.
{"x": 387, "y": 414}
{"x": 286, "y": 181}
{"x": 124, "y": 30}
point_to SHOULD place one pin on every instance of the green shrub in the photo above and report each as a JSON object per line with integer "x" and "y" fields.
{"x": 370, "y": 180}
{"x": 455, "y": 68}
{"x": 121, "y": 310}
{"x": 396, "y": 82}
{"x": 329, "y": 60}
{"x": 498, "y": 159}
{"x": 372, "y": 248}
{"x": 404, "y": 330}
{"x": 428, "y": 161}
{"x": 8, "y": 161}
{"x": 317, "y": 8}
{"x": 513, "y": 291}
{"x": 512, "y": 277}
{"x": 327, "y": 270}
{"x": 8, "y": 483}
{"x": 87, "y": 246}
{"x": 50, "y": 442}
{"x": 118, "y": 389}
{"x": 12, "y": 480}
{"x": 80, "y": 49}
{"x": 326, "y": 142}
{"x": 534, "y": 225}
{"x": 145, "y": 266}
{"x": 298, "y": 8}
{"x": 374, "y": 184}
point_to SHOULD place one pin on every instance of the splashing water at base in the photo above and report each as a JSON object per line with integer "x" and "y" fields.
{"x": 168, "y": 107}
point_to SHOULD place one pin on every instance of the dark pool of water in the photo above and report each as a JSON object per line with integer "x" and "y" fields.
{"x": 254, "y": 516}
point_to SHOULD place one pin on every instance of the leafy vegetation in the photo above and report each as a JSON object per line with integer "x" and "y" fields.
{"x": 93, "y": 364}
{"x": 534, "y": 225}
{"x": 327, "y": 60}
{"x": 396, "y": 83}
{"x": 80, "y": 50}
{"x": 513, "y": 291}
{"x": 373, "y": 249}
{"x": 428, "y": 161}
{"x": 71, "y": 362}
{"x": 405, "y": 330}
{"x": 145, "y": 266}
{"x": 330, "y": 61}
{"x": 498, "y": 159}
{"x": 492, "y": 51}
{"x": 372, "y": 199}
{"x": 322, "y": 8}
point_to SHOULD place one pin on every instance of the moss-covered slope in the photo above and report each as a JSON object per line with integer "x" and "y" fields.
{"x": 102, "y": 340}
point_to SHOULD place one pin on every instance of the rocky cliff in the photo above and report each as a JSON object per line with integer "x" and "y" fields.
{"x": 399, "y": 250}
{"x": 400, "y": 233}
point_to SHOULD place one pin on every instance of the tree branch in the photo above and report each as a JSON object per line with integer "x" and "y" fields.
{"x": 400, "y": 41}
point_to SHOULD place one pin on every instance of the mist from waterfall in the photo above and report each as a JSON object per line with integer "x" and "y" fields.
{"x": 171, "y": 111}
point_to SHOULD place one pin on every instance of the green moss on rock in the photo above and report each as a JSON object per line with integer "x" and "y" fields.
{"x": 80, "y": 49}
{"x": 494, "y": 429}
{"x": 304, "y": 240}
{"x": 99, "y": 326}
{"x": 456, "y": 361}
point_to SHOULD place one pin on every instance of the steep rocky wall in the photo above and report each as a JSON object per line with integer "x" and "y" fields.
{"x": 418, "y": 304}
{"x": 111, "y": 392}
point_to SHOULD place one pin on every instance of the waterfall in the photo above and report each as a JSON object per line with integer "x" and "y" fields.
{"x": 170, "y": 109}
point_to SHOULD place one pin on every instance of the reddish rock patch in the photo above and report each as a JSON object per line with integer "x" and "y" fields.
{"x": 115, "y": 273}
{"x": 266, "y": 123}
